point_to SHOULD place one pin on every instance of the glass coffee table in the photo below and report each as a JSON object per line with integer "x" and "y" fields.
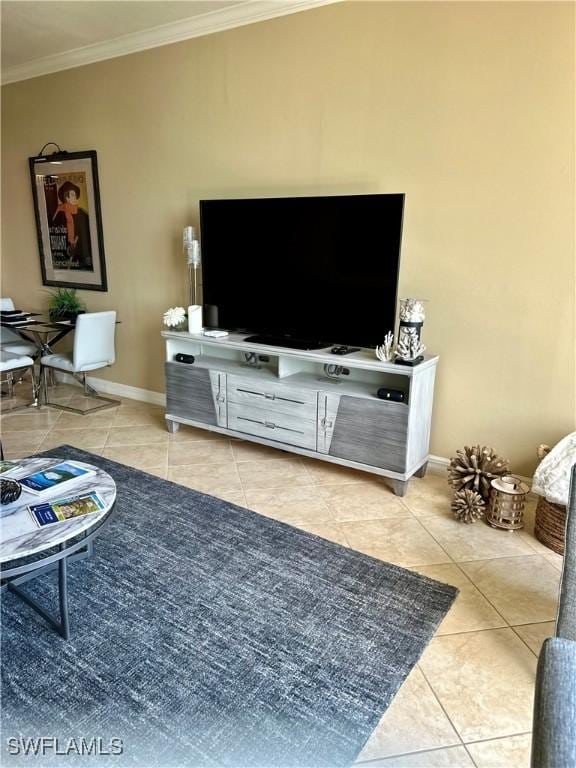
{"x": 28, "y": 552}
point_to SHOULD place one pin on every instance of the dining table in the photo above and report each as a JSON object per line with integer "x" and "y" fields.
{"x": 39, "y": 329}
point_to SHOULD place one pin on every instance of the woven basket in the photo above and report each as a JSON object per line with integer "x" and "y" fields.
{"x": 550, "y": 525}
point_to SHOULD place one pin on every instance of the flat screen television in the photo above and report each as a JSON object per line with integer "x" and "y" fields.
{"x": 306, "y": 272}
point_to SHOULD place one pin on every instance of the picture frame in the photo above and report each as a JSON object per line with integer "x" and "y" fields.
{"x": 66, "y": 196}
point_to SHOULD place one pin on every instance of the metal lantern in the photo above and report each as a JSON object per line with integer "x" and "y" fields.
{"x": 507, "y": 502}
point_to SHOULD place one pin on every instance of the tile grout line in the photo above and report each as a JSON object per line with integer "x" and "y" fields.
{"x": 463, "y": 572}
{"x": 470, "y": 756}
{"x": 508, "y": 624}
{"x": 331, "y": 521}
{"x": 495, "y": 557}
{"x": 448, "y": 555}
{"x": 312, "y": 484}
{"x": 524, "y": 641}
{"x": 436, "y": 696}
{"x": 373, "y": 760}
{"x": 499, "y": 738}
{"x": 491, "y": 629}
{"x": 532, "y": 553}
{"x": 531, "y": 623}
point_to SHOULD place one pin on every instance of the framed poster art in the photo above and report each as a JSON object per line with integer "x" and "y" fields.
{"x": 68, "y": 219}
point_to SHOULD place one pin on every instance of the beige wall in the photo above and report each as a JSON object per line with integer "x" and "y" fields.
{"x": 468, "y": 108}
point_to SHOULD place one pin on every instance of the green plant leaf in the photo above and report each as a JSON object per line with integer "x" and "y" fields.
{"x": 65, "y": 300}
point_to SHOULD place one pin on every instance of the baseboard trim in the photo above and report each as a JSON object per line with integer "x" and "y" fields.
{"x": 107, "y": 387}
{"x": 438, "y": 461}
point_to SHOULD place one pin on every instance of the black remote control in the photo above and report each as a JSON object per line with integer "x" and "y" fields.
{"x": 342, "y": 349}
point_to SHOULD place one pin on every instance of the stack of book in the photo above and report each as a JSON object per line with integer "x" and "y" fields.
{"x": 57, "y": 477}
{"x": 15, "y": 317}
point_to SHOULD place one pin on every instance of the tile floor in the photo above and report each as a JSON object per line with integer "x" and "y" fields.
{"x": 468, "y": 702}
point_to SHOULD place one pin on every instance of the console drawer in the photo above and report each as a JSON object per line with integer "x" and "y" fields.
{"x": 196, "y": 393}
{"x": 273, "y": 425}
{"x": 274, "y": 397}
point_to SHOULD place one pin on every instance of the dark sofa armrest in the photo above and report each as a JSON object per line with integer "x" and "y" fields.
{"x": 566, "y": 625}
{"x": 554, "y": 732}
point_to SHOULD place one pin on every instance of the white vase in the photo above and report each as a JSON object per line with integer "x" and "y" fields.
{"x": 195, "y": 318}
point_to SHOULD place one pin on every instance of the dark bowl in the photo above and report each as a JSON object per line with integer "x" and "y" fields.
{"x": 55, "y": 315}
{"x": 10, "y": 490}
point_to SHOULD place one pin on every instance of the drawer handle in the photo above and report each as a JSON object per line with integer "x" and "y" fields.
{"x": 270, "y": 396}
{"x": 271, "y": 425}
{"x": 291, "y": 400}
{"x": 251, "y": 392}
{"x": 252, "y": 421}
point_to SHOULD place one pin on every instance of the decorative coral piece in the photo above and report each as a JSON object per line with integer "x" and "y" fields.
{"x": 468, "y": 506}
{"x": 410, "y": 347}
{"x": 412, "y": 310}
{"x": 385, "y": 352}
{"x": 474, "y": 468}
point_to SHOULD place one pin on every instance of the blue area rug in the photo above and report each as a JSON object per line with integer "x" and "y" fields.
{"x": 204, "y": 634}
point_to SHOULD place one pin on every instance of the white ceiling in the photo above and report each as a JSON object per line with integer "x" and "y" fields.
{"x": 42, "y": 36}
{"x": 31, "y": 30}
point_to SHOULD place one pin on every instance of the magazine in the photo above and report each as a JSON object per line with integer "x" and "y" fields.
{"x": 55, "y": 477}
{"x": 14, "y": 316}
{"x": 8, "y": 466}
{"x": 59, "y": 511}
{"x": 17, "y": 323}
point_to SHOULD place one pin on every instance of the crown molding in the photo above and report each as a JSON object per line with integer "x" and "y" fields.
{"x": 165, "y": 34}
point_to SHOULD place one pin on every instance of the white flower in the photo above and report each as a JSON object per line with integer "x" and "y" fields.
{"x": 174, "y": 316}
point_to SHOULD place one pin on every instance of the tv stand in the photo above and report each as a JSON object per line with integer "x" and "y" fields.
{"x": 287, "y": 342}
{"x": 287, "y": 402}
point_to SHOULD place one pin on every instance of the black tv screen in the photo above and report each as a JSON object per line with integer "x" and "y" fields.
{"x": 321, "y": 270}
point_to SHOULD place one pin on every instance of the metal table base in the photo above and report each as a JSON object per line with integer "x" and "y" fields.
{"x": 61, "y": 626}
{"x": 13, "y": 578}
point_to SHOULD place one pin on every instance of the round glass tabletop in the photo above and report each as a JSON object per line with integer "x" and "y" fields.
{"x": 20, "y": 533}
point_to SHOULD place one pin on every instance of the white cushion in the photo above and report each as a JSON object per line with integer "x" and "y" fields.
{"x": 64, "y": 363}
{"x": 10, "y": 362}
{"x": 552, "y": 477}
{"x": 20, "y": 348}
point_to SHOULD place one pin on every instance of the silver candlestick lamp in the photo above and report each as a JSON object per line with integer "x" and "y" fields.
{"x": 191, "y": 248}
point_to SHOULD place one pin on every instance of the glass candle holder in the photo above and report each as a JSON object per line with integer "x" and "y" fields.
{"x": 412, "y": 315}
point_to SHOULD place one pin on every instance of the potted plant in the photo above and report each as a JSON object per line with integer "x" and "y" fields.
{"x": 65, "y": 304}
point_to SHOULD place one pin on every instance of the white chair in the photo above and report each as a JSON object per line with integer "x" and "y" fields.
{"x": 93, "y": 349}
{"x": 12, "y": 341}
{"x": 9, "y": 365}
